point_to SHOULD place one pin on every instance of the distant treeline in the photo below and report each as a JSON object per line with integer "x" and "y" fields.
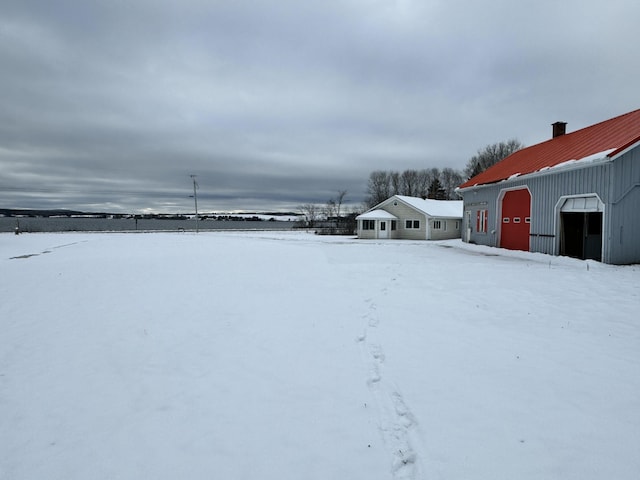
{"x": 434, "y": 183}
{"x": 9, "y": 212}
{"x": 14, "y": 212}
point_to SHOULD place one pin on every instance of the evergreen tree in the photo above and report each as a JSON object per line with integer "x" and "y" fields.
{"x": 436, "y": 190}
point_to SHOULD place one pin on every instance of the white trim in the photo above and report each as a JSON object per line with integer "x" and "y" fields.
{"x": 412, "y": 220}
{"x": 558, "y": 211}
{"x": 626, "y": 150}
{"x": 581, "y": 204}
{"x": 377, "y": 214}
{"x": 383, "y": 233}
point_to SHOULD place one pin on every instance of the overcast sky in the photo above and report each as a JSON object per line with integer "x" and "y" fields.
{"x": 111, "y": 105}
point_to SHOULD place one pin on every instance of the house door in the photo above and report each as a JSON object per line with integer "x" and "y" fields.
{"x": 468, "y": 227}
{"x": 516, "y": 220}
{"x": 383, "y": 232}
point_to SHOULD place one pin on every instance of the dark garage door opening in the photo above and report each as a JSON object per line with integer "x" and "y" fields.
{"x": 581, "y": 235}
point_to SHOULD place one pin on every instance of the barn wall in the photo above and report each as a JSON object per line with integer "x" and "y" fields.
{"x": 617, "y": 184}
{"x": 483, "y": 198}
{"x": 625, "y": 209}
{"x": 546, "y": 190}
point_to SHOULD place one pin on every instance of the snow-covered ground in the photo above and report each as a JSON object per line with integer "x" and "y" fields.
{"x": 293, "y": 356}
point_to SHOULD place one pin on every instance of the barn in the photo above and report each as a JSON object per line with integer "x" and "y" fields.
{"x": 577, "y": 194}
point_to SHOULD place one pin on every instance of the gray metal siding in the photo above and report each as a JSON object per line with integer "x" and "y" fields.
{"x": 624, "y": 215}
{"x": 617, "y": 184}
{"x": 546, "y": 191}
{"x": 481, "y": 199}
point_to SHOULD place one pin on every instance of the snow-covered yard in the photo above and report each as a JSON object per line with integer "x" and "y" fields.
{"x": 292, "y": 356}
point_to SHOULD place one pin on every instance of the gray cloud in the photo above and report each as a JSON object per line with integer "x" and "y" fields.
{"x": 112, "y": 105}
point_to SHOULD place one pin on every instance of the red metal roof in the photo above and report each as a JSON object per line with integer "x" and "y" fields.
{"x": 615, "y": 134}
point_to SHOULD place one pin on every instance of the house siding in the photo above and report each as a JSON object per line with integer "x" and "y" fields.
{"x": 448, "y": 229}
{"x": 405, "y": 212}
{"x": 409, "y": 208}
{"x": 366, "y": 234}
{"x": 617, "y": 184}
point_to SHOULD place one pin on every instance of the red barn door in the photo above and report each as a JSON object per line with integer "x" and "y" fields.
{"x": 516, "y": 220}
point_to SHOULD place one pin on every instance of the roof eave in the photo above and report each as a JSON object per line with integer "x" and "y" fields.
{"x": 546, "y": 171}
{"x": 625, "y": 148}
{"x": 376, "y": 207}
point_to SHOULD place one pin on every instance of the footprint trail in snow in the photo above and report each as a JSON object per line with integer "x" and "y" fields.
{"x": 396, "y": 422}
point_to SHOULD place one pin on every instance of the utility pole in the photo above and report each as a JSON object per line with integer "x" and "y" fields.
{"x": 195, "y": 197}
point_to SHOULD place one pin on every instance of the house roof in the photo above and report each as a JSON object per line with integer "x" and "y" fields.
{"x": 432, "y": 208}
{"x": 602, "y": 140}
{"x": 376, "y": 214}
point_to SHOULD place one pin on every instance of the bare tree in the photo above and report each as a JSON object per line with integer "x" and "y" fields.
{"x": 409, "y": 183}
{"x": 450, "y": 179}
{"x": 311, "y": 213}
{"x": 414, "y": 183}
{"x": 424, "y": 180}
{"x": 330, "y": 209}
{"x": 339, "y": 199}
{"x": 378, "y": 187}
{"x": 334, "y": 205}
{"x": 489, "y": 156}
{"x": 396, "y": 184}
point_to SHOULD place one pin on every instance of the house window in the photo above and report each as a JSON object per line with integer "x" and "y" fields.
{"x": 412, "y": 224}
{"x": 457, "y": 224}
{"x": 368, "y": 224}
{"x": 482, "y": 220}
{"x": 437, "y": 224}
{"x": 394, "y": 225}
{"x": 383, "y": 226}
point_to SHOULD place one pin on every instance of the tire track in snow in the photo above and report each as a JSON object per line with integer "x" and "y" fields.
{"x": 396, "y": 421}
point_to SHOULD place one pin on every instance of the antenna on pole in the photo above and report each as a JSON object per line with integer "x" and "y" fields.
{"x": 195, "y": 197}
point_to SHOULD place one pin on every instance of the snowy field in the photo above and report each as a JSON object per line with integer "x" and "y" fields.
{"x": 292, "y": 356}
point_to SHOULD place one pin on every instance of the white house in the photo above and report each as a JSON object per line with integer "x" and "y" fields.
{"x": 412, "y": 218}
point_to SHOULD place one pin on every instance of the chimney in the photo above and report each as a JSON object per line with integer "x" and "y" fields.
{"x": 559, "y": 129}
